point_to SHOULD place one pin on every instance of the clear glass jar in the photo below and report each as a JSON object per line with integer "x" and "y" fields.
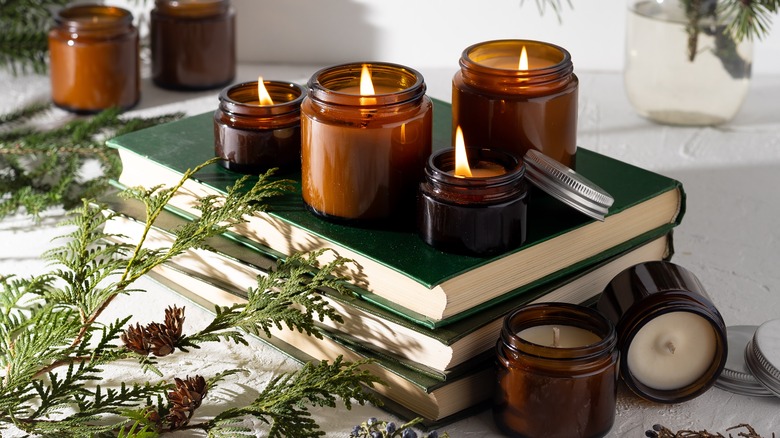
{"x": 252, "y": 138}
{"x": 500, "y": 106}
{"x": 363, "y": 156}
{"x": 94, "y": 63}
{"x": 672, "y": 339}
{"x": 473, "y": 215}
{"x": 678, "y": 76}
{"x": 193, "y": 43}
{"x": 546, "y": 390}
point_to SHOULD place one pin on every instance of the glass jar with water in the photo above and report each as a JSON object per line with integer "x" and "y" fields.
{"x": 682, "y": 65}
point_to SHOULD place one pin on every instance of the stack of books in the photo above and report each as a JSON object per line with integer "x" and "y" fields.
{"x": 429, "y": 319}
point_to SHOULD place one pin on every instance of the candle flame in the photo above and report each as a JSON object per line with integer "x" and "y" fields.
{"x": 262, "y": 93}
{"x": 366, "y": 86}
{"x": 462, "y": 168}
{"x": 523, "y": 65}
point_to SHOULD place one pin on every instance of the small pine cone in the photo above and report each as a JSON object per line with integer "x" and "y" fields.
{"x": 187, "y": 397}
{"x": 164, "y": 337}
{"x": 136, "y": 340}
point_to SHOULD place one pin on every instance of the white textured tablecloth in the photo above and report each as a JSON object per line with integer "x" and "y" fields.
{"x": 729, "y": 238}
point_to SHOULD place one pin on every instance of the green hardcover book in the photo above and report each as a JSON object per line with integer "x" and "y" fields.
{"x": 398, "y": 270}
{"x": 442, "y": 353}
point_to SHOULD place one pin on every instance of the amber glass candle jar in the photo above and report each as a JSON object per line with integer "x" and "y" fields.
{"x": 500, "y": 104}
{"x": 479, "y": 215}
{"x": 193, "y": 43}
{"x": 252, "y": 138}
{"x": 363, "y": 155}
{"x": 672, "y": 338}
{"x": 557, "y": 372}
{"x": 94, "y": 62}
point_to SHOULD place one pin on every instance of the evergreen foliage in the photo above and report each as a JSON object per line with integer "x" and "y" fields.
{"x": 43, "y": 169}
{"x": 54, "y": 352}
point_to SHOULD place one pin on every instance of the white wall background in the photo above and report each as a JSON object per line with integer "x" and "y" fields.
{"x": 433, "y": 33}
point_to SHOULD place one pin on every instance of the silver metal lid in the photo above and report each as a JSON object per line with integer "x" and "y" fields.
{"x": 736, "y": 377}
{"x": 566, "y": 185}
{"x": 763, "y": 355}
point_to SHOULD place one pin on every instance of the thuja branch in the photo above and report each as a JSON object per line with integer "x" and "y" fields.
{"x": 44, "y": 168}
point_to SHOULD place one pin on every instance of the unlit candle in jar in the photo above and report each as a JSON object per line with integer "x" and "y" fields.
{"x": 567, "y": 336}
{"x": 672, "y": 351}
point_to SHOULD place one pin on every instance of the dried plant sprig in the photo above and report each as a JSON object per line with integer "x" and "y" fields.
{"x": 659, "y": 431}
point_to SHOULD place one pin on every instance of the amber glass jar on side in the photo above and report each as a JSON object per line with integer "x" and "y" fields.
{"x": 193, "y": 43}
{"x": 545, "y": 390}
{"x": 498, "y": 104}
{"x": 94, "y": 62}
{"x": 473, "y": 215}
{"x": 671, "y": 337}
{"x": 362, "y": 156}
{"x": 252, "y": 138}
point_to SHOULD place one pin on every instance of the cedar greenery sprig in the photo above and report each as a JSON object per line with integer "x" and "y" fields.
{"x": 43, "y": 169}
{"x": 54, "y": 349}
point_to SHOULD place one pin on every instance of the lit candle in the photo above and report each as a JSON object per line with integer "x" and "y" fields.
{"x": 504, "y": 100}
{"x": 480, "y": 214}
{"x": 548, "y": 390}
{"x": 366, "y": 133}
{"x": 672, "y": 338}
{"x": 482, "y": 169}
{"x": 257, "y": 126}
{"x": 563, "y": 336}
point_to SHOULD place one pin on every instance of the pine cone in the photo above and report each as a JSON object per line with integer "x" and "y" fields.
{"x": 156, "y": 338}
{"x": 187, "y": 397}
{"x": 136, "y": 340}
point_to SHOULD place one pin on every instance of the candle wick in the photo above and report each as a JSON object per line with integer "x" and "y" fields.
{"x": 556, "y": 336}
{"x": 670, "y": 346}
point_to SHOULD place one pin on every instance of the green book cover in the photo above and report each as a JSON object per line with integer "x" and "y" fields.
{"x": 405, "y": 274}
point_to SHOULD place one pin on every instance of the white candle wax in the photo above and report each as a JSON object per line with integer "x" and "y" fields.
{"x": 672, "y": 351}
{"x": 568, "y": 336}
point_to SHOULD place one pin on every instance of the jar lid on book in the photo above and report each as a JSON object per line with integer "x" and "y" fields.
{"x": 736, "y": 377}
{"x": 762, "y": 355}
{"x": 566, "y": 185}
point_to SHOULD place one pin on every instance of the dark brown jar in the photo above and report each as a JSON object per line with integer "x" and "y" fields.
{"x": 671, "y": 337}
{"x": 193, "y": 43}
{"x": 363, "y": 155}
{"x": 94, "y": 62}
{"x": 499, "y": 105}
{"x": 252, "y": 138}
{"x": 556, "y": 386}
{"x": 473, "y": 215}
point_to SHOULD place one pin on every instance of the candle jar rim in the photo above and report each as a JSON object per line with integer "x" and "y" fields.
{"x": 515, "y": 167}
{"x": 560, "y": 63}
{"x": 563, "y": 314}
{"x": 192, "y": 8}
{"x": 231, "y": 105}
{"x": 662, "y": 303}
{"x": 410, "y": 83}
{"x": 80, "y": 17}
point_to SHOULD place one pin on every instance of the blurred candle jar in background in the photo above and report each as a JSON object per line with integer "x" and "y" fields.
{"x": 366, "y": 134}
{"x": 517, "y": 95}
{"x": 193, "y": 43}
{"x": 94, "y": 62}
{"x": 683, "y": 67}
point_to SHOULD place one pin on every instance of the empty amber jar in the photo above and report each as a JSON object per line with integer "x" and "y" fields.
{"x": 94, "y": 62}
{"x": 473, "y": 215}
{"x": 499, "y": 105}
{"x": 550, "y": 391}
{"x": 252, "y": 138}
{"x": 672, "y": 339}
{"x": 363, "y": 156}
{"x": 193, "y": 43}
